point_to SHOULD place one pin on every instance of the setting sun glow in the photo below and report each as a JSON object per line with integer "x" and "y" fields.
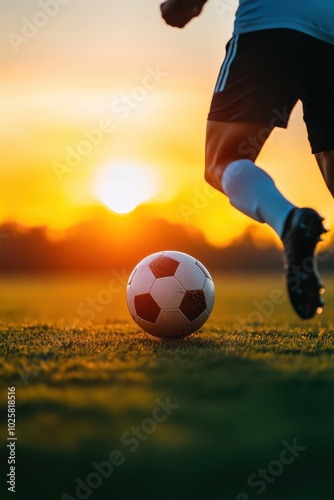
{"x": 122, "y": 186}
{"x": 113, "y": 112}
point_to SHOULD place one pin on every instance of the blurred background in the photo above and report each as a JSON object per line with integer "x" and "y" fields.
{"x": 102, "y": 141}
{"x": 102, "y": 132}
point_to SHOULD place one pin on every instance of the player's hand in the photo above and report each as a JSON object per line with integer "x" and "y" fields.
{"x": 178, "y": 13}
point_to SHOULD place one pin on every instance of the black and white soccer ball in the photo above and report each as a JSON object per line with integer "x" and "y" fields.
{"x": 170, "y": 294}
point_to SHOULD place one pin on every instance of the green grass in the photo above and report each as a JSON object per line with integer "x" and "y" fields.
{"x": 242, "y": 389}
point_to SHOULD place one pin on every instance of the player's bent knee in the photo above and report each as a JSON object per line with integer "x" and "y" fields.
{"x": 223, "y": 141}
{"x": 215, "y": 164}
{"x": 213, "y": 173}
{"x": 226, "y": 141}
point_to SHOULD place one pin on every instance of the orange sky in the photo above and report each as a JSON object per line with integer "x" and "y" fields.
{"x": 112, "y": 74}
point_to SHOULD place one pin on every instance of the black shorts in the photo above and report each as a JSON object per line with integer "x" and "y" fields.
{"x": 265, "y": 73}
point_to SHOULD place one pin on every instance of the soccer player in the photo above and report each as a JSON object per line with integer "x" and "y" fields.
{"x": 280, "y": 51}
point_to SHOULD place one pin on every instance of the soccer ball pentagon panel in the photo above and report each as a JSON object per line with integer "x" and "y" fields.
{"x": 170, "y": 294}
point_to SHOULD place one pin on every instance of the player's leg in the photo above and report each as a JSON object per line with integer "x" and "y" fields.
{"x": 230, "y": 141}
{"x": 231, "y": 149}
{"x": 256, "y": 87}
{"x": 325, "y": 161}
{"x": 231, "y": 169}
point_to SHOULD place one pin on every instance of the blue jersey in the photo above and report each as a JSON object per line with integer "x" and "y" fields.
{"x": 313, "y": 17}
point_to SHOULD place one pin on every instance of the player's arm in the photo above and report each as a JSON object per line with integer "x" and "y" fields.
{"x": 179, "y": 12}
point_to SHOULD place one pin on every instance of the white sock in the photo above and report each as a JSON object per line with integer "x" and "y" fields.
{"x": 252, "y": 191}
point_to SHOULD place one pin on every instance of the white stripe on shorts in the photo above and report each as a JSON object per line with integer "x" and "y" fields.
{"x": 225, "y": 69}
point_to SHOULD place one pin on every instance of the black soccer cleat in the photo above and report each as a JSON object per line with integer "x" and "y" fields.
{"x": 302, "y": 233}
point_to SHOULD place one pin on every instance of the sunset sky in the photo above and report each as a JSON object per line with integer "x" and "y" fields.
{"x": 103, "y": 94}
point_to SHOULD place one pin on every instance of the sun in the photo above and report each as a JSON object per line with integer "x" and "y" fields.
{"x": 122, "y": 186}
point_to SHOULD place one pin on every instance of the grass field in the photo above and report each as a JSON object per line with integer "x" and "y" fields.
{"x": 242, "y": 410}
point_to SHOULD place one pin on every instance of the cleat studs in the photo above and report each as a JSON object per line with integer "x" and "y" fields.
{"x": 319, "y": 310}
{"x": 321, "y": 291}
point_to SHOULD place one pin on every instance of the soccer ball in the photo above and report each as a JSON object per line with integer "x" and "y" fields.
{"x": 170, "y": 294}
